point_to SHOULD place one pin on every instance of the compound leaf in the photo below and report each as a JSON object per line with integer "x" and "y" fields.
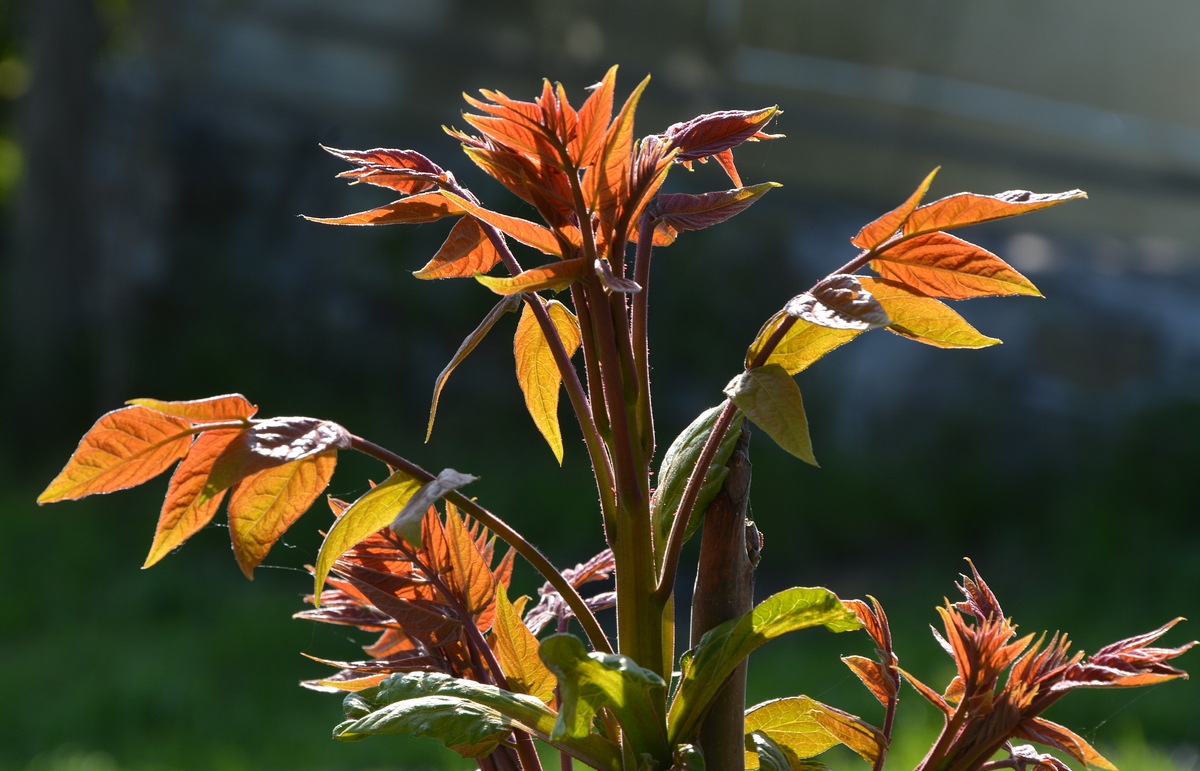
{"x": 941, "y": 265}
{"x": 528, "y": 233}
{"x": 769, "y": 397}
{"x": 537, "y": 370}
{"x": 465, "y": 252}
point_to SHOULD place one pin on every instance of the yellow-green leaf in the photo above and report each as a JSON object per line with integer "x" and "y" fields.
{"x": 771, "y": 399}
{"x": 557, "y": 276}
{"x": 212, "y": 409}
{"x": 801, "y": 345}
{"x": 370, "y": 513}
{"x": 517, "y": 652}
{"x": 791, "y": 725}
{"x": 537, "y": 371}
{"x": 924, "y": 319}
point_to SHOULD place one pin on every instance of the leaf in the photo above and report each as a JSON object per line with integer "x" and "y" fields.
{"x": 838, "y": 302}
{"x": 470, "y": 577}
{"x": 213, "y": 409}
{"x": 274, "y": 442}
{"x": 594, "y": 116}
{"x": 694, "y": 212}
{"x": 722, "y": 648}
{"x": 924, "y": 319}
{"x": 426, "y": 207}
{"x": 791, "y": 727}
{"x": 469, "y": 729}
{"x": 941, "y": 265}
{"x": 677, "y": 465}
{"x": 407, "y": 523}
{"x": 590, "y": 682}
{"x": 801, "y": 346}
{"x": 507, "y": 304}
{"x": 962, "y": 209}
{"x": 872, "y": 675}
{"x": 863, "y": 738}
{"x": 717, "y": 132}
{"x": 724, "y": 159}
{"x": 528, "y": 233}
{"x": 605, "y": 182}
{"x": 517, "y": 652}
{"x": 263, "y": 506}
{"x": 763, "y": 753}
{"x": 537, "y": 370}
{"x": 557, "y": 276}
{"x": 404, "y": 170}
{"x": 613, "y": 282}
{"x": 124, "y": 448}
{"x": 187, "y": 508}
{"x": 524, "y": 712}
{"x": 433, "y": 624}
{"x": 370, "y": 513}
{"x": 466, "y": 251}
{"x": 1051, "y": 734}
{"x": 885, "y": 227}
{"x": 771, "y": 399}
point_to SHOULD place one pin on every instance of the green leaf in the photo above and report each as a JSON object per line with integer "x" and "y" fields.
{"x": 763, "y": 753}
{"x": 723, "y": 648}
{"x": 688, "y": 757}
{"x": 479, "y": 702}
{"x": 407, "y": 523}
{"x": 589, "y": 682}
{"x": 802, "y": 344}
{"x": 771, "y": 399}
{"x": 469, "y": 729}
{"x": 791, "y": 726}
{"x": 370, "y": 513}
{"x": 677, "y": 465}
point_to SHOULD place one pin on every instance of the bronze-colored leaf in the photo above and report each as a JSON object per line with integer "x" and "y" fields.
{"x": 941, "y": 265}
{"x": 426, "y": 207}
{"x": 924, "y": 319}
{"x": 557, "y": 276}
{"x": 264, "y": 505}
{"x": 211, "y": 410}
{"x": 872, "y": 675}
{"x": 839, "y": 302}
{"x": 1043, "y": 731}
{"x": 962, "y": 209}
{"x": 886, "y": 226}
{"x": 466, "y": 251}
{"x": 528, "y": 233}
{"x": 605, "y": 181}
{"x": 406, "y": 171}
{"x": 470, "y": 577}
{"x": 537, "y": 369}
{"x": 190, "y": 503}
{"x": 717, "y": 132}
{"x": 694, "y": 212}
{"x": 123, "y": 449}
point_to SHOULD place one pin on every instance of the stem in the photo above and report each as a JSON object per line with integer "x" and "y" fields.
{"x": 938, "y": 751}
{"x": 506, "y": 533}
{"x": 592, "y": 362}
{"x": 639, "y": 331}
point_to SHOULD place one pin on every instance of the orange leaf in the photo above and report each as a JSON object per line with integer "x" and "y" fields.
{"x": 274, "y": 442}
{"x": 426, "y": 207}
{"x": 214, "y": 409}
{"x": 1051, "y": 734}
{"x": 941, "y": 265}
{"x": 470, "y": 578}
{"x": 693, "y": 212}
{"x": 886, "y": 226}
{"x": 537, "y": 370}
{"x": 664, "y": 235}
{"x": 406, "y": 171}
{"x": 871, "y": 674}
{"x": 124, "y": 448}
{"x": 852, "y": 731}
{"x": 528, "y": 233}
{"x": 924, "y": 319}
{"x": 594, "y": 116}
{"x": 557, "y": 276}
{"x": 724, "y": 159}
{"x": 264, "y": 505}
{"x": 466, "y": 251}
{"x": 546, "y": 187}
{"x": 190, "y": 503}
{"x": 969, "y": 209}
{"x": 604, "y": 183}
{"x": 717, "y": 132}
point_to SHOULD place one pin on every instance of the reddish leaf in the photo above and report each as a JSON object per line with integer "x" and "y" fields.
{"x": 467, "y": 251}
{"x": 211, "y": 410}
{"x": 470, "y": 577}
{"x": 557, "y": 276}
{"x": 970, "y": 208}
{"x": 872, "y": 675}
{"x": 852, "y": 731}
{"x": 922, "y": 318}
{"x": 717, "y": 132}
{"x": 546, "y": 187}
{"x": 190, "y": 503}
{"x": 932, "y": 696}
{"x": 693, "y": 212}
{"x": 941, "y": 265}
{"x": 664, "y": 235}
{"x": 839, "y": 302}
{"x": 430, "y": 622}
{"x": 123, "y": 449}
{"x": 264, "y": 505}
{"x": 594, "y": 116}
{"x": 426, "y": 207}
{"x": 886, "y": 226}
{"x": 406, "y": 171}
{"x": 528, "y": 233}
{"x": 604, "y": 183}
{"x": 521, "y": 136}
{"x": 1043, "y": 731}
{"x": 724, "y": 159}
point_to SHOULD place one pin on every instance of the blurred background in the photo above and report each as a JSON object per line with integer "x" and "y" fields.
{"x": 154, "y": 157}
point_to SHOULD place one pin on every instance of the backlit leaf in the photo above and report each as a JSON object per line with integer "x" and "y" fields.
{"x": 863, "y": 738}
{"x": 547, "y": 187}
{"x": 724, "y": 159}
{"x": 469, "y": 729}
{"x": 924, "y": 319}
{"x": 694, "y": 212}
{"x": 1051, "y": 734}
{"x": 722, "y": 648}
{"x": 594, "y": 116}
{"x": 872, "y": 675}
{"x": 372, "y": 512}
{"x": 769, "y": 397}
{"x": 466, "y": 251}
{"x": 590, "y": 682}
{"x": 605, "y": 182}
{"x": 557, "y": 276}
{"x": 426, "y": 207}
{"x": 507, "y": 304}
{"x": 801, "y": 345}
{"x": 264, "y": 505}
{"x": 123, "y": 449}
{"x": 677, "y": 465}
{"x": 406, "y": 171}
{"x": 961, "y": 209}
{"x": 838, "y": 302}
{"x": 716, "y": 132}
{"x": 886, "y": 226}
{"x": 188, "y": 506}
{"x": 274, "y": 442}
{"x": 408, "y": 521}
{"x": 941, "y": 265}
{"x": 211, "y": 410}
{"x": 790, "y": 724}
{"x": 763, "y": 753}
{"x": 528, "y": 233}
{"x": 537, "y": 370}
{"x": 517, "y": 652}
{"x": 613, "y": 282}
{"x": 471, "y": 578}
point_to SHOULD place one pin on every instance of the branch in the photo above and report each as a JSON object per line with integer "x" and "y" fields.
{"x": 640, "y": 332}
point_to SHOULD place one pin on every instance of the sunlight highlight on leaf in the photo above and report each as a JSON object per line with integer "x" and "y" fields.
{"x": 537, "y": 370}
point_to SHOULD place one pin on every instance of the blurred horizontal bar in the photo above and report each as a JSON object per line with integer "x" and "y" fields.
{"x": 962, "y": 99}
